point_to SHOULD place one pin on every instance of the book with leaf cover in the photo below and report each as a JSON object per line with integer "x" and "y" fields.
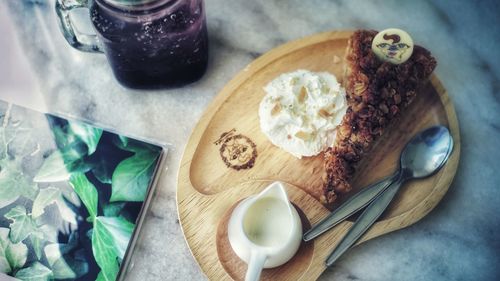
{"x": 72, "y": 196}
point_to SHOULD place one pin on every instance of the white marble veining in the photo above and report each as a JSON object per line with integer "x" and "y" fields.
{"x": 456, "y": 241}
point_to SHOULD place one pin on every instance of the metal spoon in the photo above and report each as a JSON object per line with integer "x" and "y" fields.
{"x": 367, "y": 194}
{"x": 425, "y": 154}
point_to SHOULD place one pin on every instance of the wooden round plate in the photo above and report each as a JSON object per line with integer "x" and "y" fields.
{"x": 227, "y": 159}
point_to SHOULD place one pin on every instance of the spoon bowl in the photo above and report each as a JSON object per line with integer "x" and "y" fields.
{"x": 427, "y": 152}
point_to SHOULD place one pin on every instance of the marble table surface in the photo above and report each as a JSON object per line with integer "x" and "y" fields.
{"x": 458, "y": 240}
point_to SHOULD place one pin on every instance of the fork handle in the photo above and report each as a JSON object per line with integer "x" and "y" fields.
{"x": 365, "y": 220}
{"x": 351, "y": 206}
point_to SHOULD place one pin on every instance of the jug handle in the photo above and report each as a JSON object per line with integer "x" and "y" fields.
{"x": 257, "y": 260}
{"x": 77, "y": 40}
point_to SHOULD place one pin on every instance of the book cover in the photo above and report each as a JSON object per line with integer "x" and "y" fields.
{"x": 72, "y": 196}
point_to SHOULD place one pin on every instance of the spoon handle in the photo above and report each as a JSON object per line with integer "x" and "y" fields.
{"x": 365, "y": 220}
{"x": 351, "y": 206}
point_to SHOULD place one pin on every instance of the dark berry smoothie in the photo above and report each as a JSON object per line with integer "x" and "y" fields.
{"x": 153, "y": 43}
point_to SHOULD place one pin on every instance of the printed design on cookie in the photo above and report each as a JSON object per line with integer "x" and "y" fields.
{"x": 394, "y": 50}
{"x": 237, "y": 151}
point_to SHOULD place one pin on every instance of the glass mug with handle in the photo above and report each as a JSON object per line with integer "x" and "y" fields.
{"x": 148, "y": 43}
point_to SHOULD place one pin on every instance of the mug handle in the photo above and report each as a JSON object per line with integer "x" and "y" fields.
{"x": 79, "y": 41}
{"x": 255, "y": 265}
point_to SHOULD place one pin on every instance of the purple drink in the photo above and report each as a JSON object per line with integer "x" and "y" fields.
{"x": 153, "y": 43}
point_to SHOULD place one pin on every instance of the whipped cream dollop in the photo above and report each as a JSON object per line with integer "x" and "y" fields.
{"x": 301, "y": 111}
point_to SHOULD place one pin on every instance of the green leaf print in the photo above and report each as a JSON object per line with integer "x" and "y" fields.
{"x": 86, "y": 191}
{"x": 131, "y": 177}
{"x": 110, "y": 239}
{"x": 22, "y": 225}
{"x": 36, "y": 272}
{"x": 88, "y": 134}
{"x": 46, "y": 197}
{"x": 53, "y": 169}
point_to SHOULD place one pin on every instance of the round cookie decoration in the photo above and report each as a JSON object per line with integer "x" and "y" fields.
{"x": 393, "y": 45}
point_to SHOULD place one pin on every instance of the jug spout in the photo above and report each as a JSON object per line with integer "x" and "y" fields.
{"x": 277, "y": 191}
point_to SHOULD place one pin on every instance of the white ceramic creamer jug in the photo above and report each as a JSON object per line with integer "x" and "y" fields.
{"x": 265, "y": 230}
